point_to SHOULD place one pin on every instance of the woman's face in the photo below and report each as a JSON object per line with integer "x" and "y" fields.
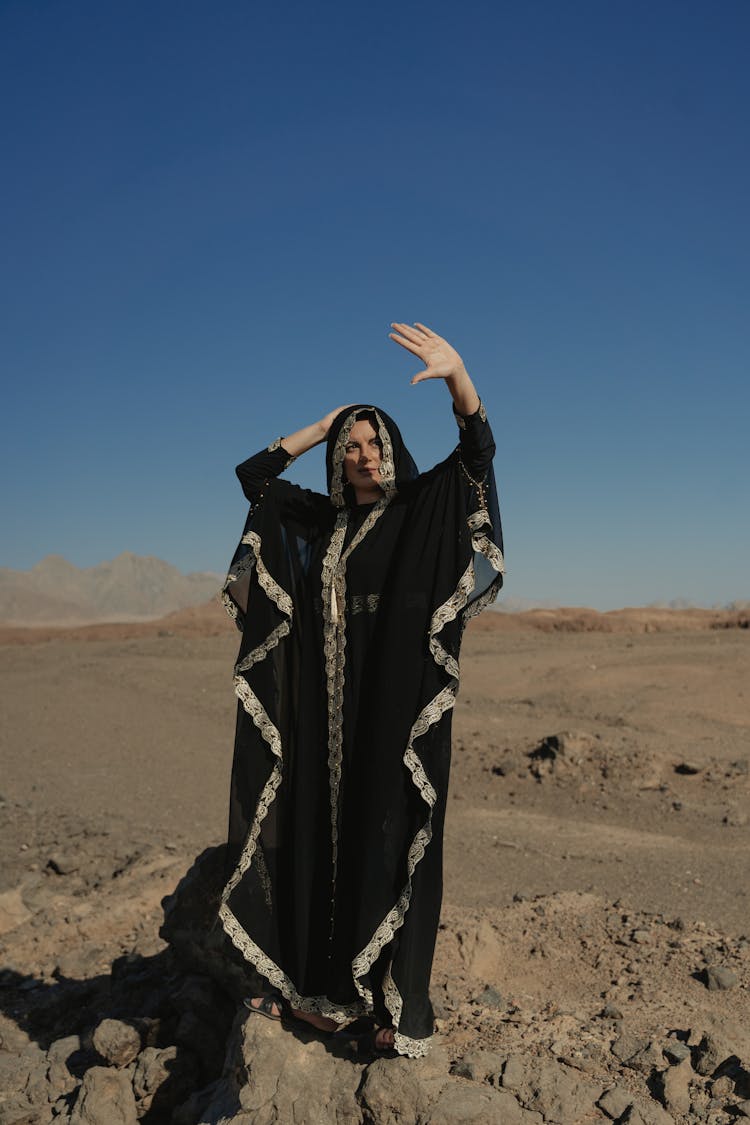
{"x": 363, "y": 453}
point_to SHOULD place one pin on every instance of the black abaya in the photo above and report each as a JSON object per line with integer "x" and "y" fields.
{"x": 352, "y": 618}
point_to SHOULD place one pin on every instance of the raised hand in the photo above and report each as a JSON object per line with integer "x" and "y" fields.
{"x": 441, "y": 361}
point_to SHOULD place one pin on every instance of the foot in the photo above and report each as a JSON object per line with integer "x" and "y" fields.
{"x": 266, "y": 1005}
{"x": 269, "y": 1007}
{"x": 321, "y": 1022}
{"x": 384, "y": 1039}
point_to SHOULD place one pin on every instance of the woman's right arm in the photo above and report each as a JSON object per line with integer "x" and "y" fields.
{"x": 271, "y": 462}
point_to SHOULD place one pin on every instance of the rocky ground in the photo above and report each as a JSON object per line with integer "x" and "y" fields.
{"x": 593, "y": 961}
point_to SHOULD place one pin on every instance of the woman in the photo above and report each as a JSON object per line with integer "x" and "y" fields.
{"x": 352, "y": 607}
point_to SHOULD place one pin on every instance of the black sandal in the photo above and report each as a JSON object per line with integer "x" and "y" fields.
{"x": 265, "y": 1006}
{"x": 368, "y": 1045}
{"x": 286, "y": 1016}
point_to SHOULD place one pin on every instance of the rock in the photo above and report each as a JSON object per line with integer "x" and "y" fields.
{"x": 646, "y": 1060}
{"x": 615, "y": 1102}
{"x": 688, "y": 768}
{"x": 480, "y": 1066}
{"x": 472, "y": 1105}
{"x": 163, "y": 1079}
{"x": 718, "y": 978}
{"x": 722, "y": 1087}
{"x": 556, "y": 753}
{"x": 106, "y": 1098}
{"x": 646, "y": 1113}
{"x": 559, "y": 1094}
{"x": 743, "y": 1108}
{"x": 489, "y": 997}
{"x": 675, "y": 1051}
{"x": 62, "y": 864}
{"x": 23, "y": 1080}
{"x": 611, "y": 1012}
{"x": 13, "y": 910}
{"x": 481, "y": 950}
{"x": 190, "y": 928}
{"x": 62, "y": 1049}
{"x": 627, "y": 1045}
{"x": 116, "y": 1041}
{"x": 60, "y": 1080}
{"x": 272, "y": 1075}
{"x": 710, "y": 1054}
{"x": 514, "y": 1074}
{"x": 675, "y": 1093}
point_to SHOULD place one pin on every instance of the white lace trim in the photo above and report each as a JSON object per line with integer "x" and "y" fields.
{"x": 237, "y": 571}
{"x": 334, "y": 649}
{"x": 414, "y": 1048}
{"x": 277, "y": 445}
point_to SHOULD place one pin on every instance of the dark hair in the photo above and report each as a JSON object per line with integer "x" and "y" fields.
{"x": 368, "y": 416}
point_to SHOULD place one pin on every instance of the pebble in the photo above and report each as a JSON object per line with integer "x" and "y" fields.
{"x": 615, "y": 1102}
{"x": 513, "y": 1073}
{"x": 676, "y": 1051}
{"x": 62, "y": 864}
{"x": 489, "y": 998}
{"x": 722, "y": 1087}
{"x": 719, "y": 978}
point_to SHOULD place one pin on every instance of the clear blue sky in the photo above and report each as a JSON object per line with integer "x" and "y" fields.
{"x": 211, "y": 212}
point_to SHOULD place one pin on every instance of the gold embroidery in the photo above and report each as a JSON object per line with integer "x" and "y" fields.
{"x": 337, "y": 461}
{"x": 364, "y": 603}
{"x": 277, "y": 445}
{"x": 334, "y": 650}
{"x": 461, "y": 418}
{"x": 387, "y": 463}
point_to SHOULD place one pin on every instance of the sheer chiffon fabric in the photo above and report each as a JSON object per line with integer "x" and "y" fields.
{"x": 351, "y": 619}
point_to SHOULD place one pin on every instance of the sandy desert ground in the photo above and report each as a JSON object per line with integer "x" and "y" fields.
{"x": 597, "y": 841}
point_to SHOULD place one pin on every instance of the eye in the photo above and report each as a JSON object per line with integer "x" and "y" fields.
{"x": 350, "y": 447}
{"x": 378, "y": 442}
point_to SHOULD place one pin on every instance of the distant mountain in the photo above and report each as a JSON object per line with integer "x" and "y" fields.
{"x": 130, "y": 587}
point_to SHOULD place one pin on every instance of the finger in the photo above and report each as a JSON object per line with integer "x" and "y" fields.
{"x": 405, "y": 343}
{"x": 410, "y": 333}
{"x": 421, "y": 376}
{"x": 427, "y": 331}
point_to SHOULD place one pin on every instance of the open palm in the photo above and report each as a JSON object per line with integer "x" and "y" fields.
{"x": 440, "y": 359}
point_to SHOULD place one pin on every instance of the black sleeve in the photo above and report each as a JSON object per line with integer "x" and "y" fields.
{"x": 476, "y": 443}
{"x": 256, "y": 471}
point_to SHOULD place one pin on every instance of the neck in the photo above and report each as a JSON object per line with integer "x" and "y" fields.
{"x": 367, "y": 495}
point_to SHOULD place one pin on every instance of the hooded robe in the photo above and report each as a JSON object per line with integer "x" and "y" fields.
{"x": 352, "y": 617}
